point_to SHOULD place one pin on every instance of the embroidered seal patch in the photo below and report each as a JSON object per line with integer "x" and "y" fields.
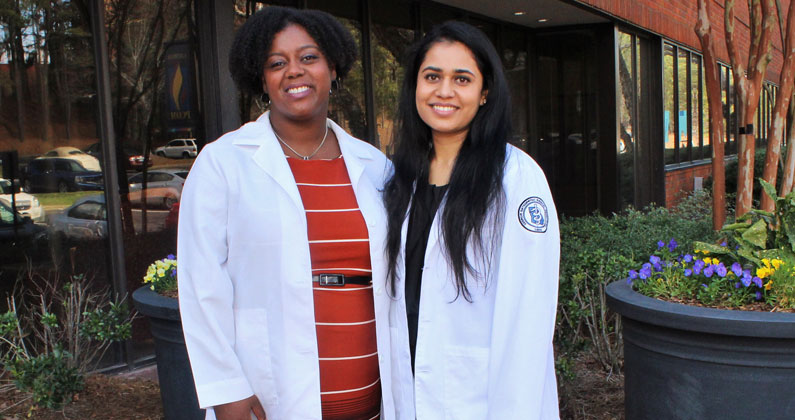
{"x": 533, "y": 215}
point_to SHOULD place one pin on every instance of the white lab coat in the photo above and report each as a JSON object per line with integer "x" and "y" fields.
{"x": 492, "y": 358}
{"x": 245, "y": 273}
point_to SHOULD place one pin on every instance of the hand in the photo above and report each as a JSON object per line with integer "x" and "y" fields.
{"x": 240, "y": 410}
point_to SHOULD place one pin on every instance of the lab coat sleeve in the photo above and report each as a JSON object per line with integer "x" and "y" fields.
{"x": 522, "y": 382}
{"x": 205, "y": 287}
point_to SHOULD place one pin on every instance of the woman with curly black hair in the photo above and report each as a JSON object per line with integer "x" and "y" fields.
{"x": 473, "y": 242}
{"x": 281, "y": 231}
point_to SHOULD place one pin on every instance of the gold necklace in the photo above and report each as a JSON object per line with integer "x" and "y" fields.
{"x": 309, "y": 156}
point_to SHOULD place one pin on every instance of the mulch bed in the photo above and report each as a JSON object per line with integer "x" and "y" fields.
{"x": 593, "y": 394}
{"x": 104, "y": 397}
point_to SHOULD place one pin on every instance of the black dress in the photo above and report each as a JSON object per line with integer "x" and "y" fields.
{"x": 426, "y": 201}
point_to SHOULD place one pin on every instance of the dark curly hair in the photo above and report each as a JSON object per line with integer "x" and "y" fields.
{"x": 253, "y": 41}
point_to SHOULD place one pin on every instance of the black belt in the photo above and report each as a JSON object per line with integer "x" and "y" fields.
{"x": 340, "y": 279}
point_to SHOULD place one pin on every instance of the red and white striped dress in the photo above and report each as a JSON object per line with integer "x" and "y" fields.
{"x": 344, "y": 316}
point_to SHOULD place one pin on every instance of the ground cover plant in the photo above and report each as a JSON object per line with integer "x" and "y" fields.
{"x": 55, "y": 332}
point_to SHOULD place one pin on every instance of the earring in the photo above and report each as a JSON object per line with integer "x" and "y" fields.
{"x": 483, "y": 102}
{"x": 265, "y": 99}
{"x": 335, "y": 85}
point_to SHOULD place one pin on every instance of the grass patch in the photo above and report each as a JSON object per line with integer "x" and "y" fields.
{"x": 63, "y": 199}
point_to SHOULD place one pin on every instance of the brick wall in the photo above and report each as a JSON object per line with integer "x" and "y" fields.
{"x": 675, "y": 20}
{"x": 679, "y": 182}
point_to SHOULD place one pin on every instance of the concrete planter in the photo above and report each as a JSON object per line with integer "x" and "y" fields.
{"x": 173, "y": 367}
{"x": 687, "y": 362}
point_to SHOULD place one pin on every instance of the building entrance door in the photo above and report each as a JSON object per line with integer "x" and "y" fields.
{"x": 566, "y": 114}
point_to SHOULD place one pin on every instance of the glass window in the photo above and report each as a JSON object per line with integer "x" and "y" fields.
{"x": 683, "y": 116}
{"x": 669, "y": 109}
{"x": 389, "y": 39}
{"x": 5, "y": 214}
{"x": 63, "y": 166}
{"x": 89, "y": 210}
{"x": 627, "y": 119}
{"x": 685, "y": 110}
{"x": 695, "y": 105}
{"x": 514, "y": 59}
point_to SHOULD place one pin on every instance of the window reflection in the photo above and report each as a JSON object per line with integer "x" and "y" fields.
{"x": 514, "y": 58}
{"x": 388, "y": 43}
{"x": 627, "y": 120}
{"x": 683, "y": 115}
{"x": 669, "y": 108}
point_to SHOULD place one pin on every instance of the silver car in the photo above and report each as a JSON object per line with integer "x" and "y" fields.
{"x": 163, "y": 187}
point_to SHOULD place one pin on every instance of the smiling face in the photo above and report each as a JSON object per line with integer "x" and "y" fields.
{"x": 449, "y": 89}
{"x": 297, "y": 76}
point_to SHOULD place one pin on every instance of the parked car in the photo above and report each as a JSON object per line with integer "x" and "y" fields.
{"x": 135, "y": 159}
{"x": 82, "y": 223}
{"x": 59, "y": 174}
{"x": 178, "y": 148}
{"x": 166, "y": 177}
{"x": 21, "y": 242}
{"x": 162, "y": 197}
{"x": 163, "y": 187}
{"x": 87, "y": 161}
{"x": 27, "y": 205}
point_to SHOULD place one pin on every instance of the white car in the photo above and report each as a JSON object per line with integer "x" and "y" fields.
{"x": 178, "y": 148}
{"x": 87, "y": 161}
{"x": 27, "y": 205}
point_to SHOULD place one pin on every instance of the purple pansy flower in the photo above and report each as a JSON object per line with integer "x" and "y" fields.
{"x": 723, "y": 244}
{"x": 721, "y": 270}
{"x": 645, "y": 272}
{"x": 672, "y": 245}
{"x": 757, "y": 281}
{"x": 709, "y": 271}
{"x": 746, "y": 281}
{"x": 688, "y": 258}
{"x": 758, "y": 295}
{"x": 688, "y": 272}
{"x": 660, "y": 244}
{"x": 737, "y": 285}
{"x": 737, "y": 269}
{"x": 698, "y": 266}
{"x": 633, "y": 274}
{"x": 170, "y": 256}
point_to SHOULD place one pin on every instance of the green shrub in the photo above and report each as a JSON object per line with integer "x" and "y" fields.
{"x": 49, "y": 378}
{"x": 56, "y": 332}
{"x": 597, "y": 250}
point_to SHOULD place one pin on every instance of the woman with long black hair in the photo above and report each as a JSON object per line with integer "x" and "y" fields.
{"x": 472, "y": 243}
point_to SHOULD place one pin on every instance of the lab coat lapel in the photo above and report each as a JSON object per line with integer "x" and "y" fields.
{"x": 270, "y": 157}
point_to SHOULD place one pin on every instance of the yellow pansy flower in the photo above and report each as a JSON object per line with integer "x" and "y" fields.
{"x": 777, "y": 263}
{"x": 768, "y": 285}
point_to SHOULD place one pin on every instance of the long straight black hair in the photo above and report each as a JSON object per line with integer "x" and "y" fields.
{"x": 475, "y": 185}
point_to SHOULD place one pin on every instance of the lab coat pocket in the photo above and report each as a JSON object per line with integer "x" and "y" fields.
{"x": 253, "y": 351}
{"x": 466, "y": 382}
